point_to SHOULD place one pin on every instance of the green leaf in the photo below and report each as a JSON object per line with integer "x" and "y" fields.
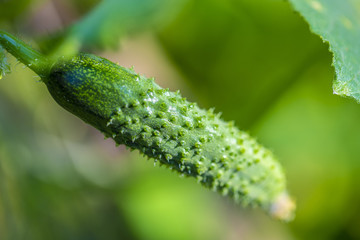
{"x": 338, "y": 23}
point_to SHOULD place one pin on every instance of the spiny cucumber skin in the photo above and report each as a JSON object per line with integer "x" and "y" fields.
{"x": 135, "y": 111}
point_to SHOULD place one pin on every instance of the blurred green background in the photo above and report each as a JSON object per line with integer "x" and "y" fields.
{"x": 254, "y": 60}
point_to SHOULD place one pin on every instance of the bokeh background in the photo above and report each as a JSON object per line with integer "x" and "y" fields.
{"x": 255, "y": 61}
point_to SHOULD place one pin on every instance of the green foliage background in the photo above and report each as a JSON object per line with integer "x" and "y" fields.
{"x": 256, "y": 61}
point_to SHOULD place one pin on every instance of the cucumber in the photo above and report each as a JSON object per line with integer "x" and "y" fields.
{"x": 135, "y": 111}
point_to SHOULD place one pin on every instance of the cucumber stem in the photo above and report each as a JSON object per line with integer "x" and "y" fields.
{"x": 24, "y": 53}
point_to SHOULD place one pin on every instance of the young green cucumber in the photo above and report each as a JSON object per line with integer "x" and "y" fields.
{"x": 135, "y": 111}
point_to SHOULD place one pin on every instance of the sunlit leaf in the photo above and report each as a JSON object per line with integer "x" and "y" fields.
{"x": 338, "y": 23}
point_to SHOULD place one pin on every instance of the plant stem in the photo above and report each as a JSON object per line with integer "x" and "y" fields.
{"x": 24, "y": 53}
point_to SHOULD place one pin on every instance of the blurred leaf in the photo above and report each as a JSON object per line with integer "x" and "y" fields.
{"x": 84, "y": 6}
{"x": 102, "y": 27}
{"x": 338, "y": 23}
{"x": 11, "y": 9}
{"x": 243, "y": 53}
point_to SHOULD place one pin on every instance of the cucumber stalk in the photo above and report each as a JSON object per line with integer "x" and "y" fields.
{"x": 24, "y": 53}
